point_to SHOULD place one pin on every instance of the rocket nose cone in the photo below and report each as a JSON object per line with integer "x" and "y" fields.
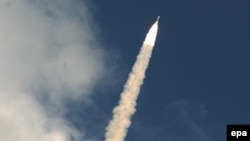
{"x": 158, "y": 18}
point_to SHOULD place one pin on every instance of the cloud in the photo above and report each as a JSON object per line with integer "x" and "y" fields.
{"x": 186, "y": 118}
{"x": 49, "y": 54}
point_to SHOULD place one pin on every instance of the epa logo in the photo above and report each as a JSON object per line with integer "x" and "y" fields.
{"x": 239, "y": 133}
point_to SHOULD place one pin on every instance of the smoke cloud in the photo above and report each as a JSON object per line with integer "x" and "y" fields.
{"x": 48, "y": 54}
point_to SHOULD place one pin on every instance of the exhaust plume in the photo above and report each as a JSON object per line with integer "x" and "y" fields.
{"x": 122, "y": 113}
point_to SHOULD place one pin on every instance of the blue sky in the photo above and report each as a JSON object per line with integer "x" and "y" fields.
{"x": 200, "y": 65}
{"x": 63, "y": 65}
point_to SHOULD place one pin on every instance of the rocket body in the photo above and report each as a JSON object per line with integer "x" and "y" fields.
{"x": 152, "y": 33}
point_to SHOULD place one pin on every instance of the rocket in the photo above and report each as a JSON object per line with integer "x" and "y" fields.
{"x": 152, "y": 33}
{"x": 118, "y": 126}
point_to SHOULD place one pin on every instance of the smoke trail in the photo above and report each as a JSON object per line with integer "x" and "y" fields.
{"x": 122, "y": 113}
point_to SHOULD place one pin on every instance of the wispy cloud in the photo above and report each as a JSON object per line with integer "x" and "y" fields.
{"x": 187, "y": 117}
{"x": 48, "y": 54}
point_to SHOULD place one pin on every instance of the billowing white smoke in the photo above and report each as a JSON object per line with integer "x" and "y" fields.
{"x": 48, "y": 53}
{"x": 122, "y": 113}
